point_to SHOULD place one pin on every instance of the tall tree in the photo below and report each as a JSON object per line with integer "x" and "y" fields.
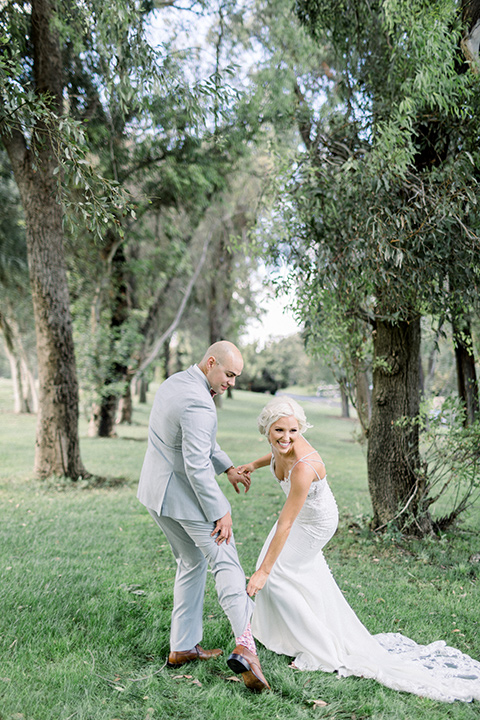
{"x": 47, "y": 152}
{"x": 386, "y": 209}
{"x": 34, "y": 159}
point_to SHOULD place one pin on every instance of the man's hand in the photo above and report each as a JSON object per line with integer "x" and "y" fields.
{"x": 236, "y": 477}
{"x": 223, "y": 529}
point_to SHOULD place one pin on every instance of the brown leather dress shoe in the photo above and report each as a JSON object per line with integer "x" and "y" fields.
{"x": 179, "y": 657}
{"x": 243, "y": 661}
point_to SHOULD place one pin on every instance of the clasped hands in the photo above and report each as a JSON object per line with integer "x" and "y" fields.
{"x": 240, "y": 474}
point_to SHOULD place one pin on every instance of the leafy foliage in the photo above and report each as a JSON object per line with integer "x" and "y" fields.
{"x": 13, "y": 248}
{"x": 382, "y": 204}
{"x": 451, "y": 461}
{"x": 388, "y": 203}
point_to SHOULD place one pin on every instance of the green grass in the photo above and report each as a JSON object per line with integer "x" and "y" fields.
{"x": 86, "y": 587}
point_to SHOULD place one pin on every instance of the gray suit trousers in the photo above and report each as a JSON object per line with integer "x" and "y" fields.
{"x": 194, "y": 550}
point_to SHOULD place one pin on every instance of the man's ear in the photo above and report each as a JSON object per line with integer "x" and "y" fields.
{"x": 211, "y": 362}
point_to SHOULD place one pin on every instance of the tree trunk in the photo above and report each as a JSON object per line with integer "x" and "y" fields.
{"x": 28, "y": 384}
{"x": 344, "y": 398}
{"x": 104, "y": 411}
{"x": 432, "y": 358}
{"x": 393, "y": 451}
{"x": 220, "y": 296}
{"x": 102, "y": 417}
{"x": 57, "y": 443}
{"x": 471, "y": 39}
{"x": 125, "y": 407}
{"x": 466, "y": 373}
{"x": 142, "y": 390}
{"x": 363, "y": 400}
{"x": 166, "y": 358}
{"x": 220, "y": 293}
{"x": 19, "y": 402}
{"x": 57, "y": 450}
{"x": 24, "y": 391}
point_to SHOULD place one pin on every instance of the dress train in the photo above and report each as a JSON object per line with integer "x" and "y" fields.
{"x": 301, "y": 612}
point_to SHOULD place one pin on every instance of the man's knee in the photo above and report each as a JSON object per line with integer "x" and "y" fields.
{"x": 192, "y": 564}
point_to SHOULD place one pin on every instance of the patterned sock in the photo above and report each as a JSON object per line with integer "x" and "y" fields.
{"x": 247, "y": 640}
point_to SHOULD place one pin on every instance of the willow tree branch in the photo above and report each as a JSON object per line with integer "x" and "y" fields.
{"x": 174, "y": 324}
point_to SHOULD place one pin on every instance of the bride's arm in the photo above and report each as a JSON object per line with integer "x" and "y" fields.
{"x": 255, "y": 465}
{"x": 300, "y": 484}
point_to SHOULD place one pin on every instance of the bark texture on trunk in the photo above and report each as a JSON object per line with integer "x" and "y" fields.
{"x": 466, "y": 372}
{"x": 393, "y": 451}
{"x": 57, "y": 449}
{"x": 363, "y": 400}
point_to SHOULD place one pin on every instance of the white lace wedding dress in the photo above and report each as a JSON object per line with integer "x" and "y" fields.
{"x": 301, "y": 612}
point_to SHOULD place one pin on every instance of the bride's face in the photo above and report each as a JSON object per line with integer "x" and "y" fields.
{"x": 283, "y": 433}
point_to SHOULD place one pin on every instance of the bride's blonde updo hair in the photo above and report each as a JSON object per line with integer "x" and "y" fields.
{"x": 281, "y": 406}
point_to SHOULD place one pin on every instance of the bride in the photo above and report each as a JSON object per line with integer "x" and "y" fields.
{"x": 299, "y": 609}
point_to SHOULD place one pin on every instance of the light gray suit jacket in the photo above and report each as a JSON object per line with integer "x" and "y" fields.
{"x": 183, "y": 456}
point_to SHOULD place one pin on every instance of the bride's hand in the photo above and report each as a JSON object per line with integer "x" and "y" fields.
{"x": 256, "y": 582}
{"x": 245, "y": 469}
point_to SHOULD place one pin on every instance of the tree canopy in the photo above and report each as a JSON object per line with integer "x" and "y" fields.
{"x": 159, "y": 151}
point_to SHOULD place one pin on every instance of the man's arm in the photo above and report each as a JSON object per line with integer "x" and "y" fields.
{"x": 199, "y": 425}
{"x": 221, "y": 461}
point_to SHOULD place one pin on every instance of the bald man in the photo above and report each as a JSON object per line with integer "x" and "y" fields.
{"x": 179, "y": 489}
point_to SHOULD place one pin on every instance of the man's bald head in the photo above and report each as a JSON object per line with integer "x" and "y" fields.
{"x": 222, "y": 351}
{"x": 221, "y": 364}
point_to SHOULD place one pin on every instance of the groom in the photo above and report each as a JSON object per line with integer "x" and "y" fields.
{"x": 179, "y": 489}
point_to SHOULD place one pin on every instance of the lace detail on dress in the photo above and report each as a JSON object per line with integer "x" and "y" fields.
{"x": 437, "y": 657}
{"x": 444, "y": 673}
{"x": 319, "y": 514}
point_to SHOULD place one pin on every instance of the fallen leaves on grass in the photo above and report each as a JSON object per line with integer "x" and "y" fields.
{"x": 133, "y": 589}
{"x": 188, "y": 677}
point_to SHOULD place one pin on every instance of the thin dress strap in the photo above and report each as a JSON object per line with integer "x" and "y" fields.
{"x": 302, "y": 459}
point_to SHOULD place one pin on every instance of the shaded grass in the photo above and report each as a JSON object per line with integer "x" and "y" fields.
{"x": 86, "y": 587}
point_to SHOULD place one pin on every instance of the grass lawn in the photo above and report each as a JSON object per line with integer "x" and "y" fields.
{"x": 86, "y": 586}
